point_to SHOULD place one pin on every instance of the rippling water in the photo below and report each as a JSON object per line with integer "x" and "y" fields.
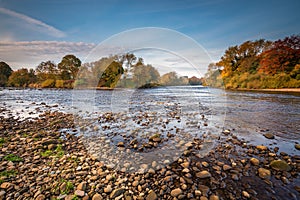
{"x": 248, "y": 114}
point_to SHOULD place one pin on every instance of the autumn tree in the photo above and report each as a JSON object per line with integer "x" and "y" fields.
{"x": 242, "y": 58}
{"x": 5, "y": 72}
{"x": 69, "y": 67}
{"x": 22, "y": 78}
{"x": 195, "y": 81}
{"x": 283, "y": 56}
{"x": 170, "y": 78}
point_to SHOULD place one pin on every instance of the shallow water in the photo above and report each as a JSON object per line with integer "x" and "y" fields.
{"x": 247, "y": 114}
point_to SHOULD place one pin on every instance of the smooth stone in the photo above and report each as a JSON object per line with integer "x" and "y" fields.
{"x": 297, "y": 146}
{"x": 261, "y": 147}
{"x": 246, "y": 194}
{"x": 40, "y": 197}
{"x": 108, "y": 189}
{"x": 254, "y": 161}
{"x": 226, "y": 167}
{"x": 280, "y": 165}
{"x": 151, "y": 196}
{"x": 214, "y": 197}
{"x": 97, "y": 197}
{"x": 264, "y": 173}
{"x": 81, "y": 186}
{"x": 79, "y": 193}
{"x": 203, "y": 174}
{"x": 176, "y": 192}
{"x": 269, "y": 136}
{"x": 117, "y": 192}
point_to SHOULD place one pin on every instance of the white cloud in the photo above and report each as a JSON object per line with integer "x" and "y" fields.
{"x": 39, "y": 25}
{"x": 30, "y": 53}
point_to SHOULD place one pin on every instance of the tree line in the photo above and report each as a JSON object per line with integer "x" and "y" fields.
{"x": 109, "y": 72}
{"x": 258, "y": 64}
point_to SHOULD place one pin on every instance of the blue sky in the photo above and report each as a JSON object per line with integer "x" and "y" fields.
{"x": 32, "y": 31}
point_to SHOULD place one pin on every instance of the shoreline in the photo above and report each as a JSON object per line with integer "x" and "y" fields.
{"x": 57, "y": 165}
{"x": 279, "y": 90}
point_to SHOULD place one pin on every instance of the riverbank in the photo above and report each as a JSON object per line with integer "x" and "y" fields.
{"x": 40, "y": 161}
{"x": 280, "y": 90}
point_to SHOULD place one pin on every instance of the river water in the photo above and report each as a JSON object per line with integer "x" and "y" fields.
{"x": 247, "y": 114}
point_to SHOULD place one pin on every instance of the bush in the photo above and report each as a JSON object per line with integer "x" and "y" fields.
{"x": 49, "y": 83}
{"x": 59, "y": 83}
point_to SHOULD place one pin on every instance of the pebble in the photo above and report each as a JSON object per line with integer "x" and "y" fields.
{"x": 203, "y": 174}
{"x": 261, "y": 147}
{"x": 97, "y": 196}
{"x": 151, "y": 196}
{"x": 79, "y": 193}
{"x": 269, "y": 136}
{"x": 254, "y": 161}
{"x": 117, "y": 192}
{"x": 297, "y": 146}
{"x": 246, "y": 194}
{"x": 176, "y": 192}
{"x": 264, "y": 173}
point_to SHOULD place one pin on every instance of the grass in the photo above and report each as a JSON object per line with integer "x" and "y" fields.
{"x": 2, "y": 141}
{"x": 10, "y": 173}
{"x": 13, "y": 158}
{"x": 58, "y": 152}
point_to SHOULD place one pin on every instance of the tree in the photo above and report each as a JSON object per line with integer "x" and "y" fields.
{"x": 195, "y": 81}
{"x": 170, "y": 78}
{"x": 5, "y": 72}
{"x": 69, "y": 67}
{"x": 22, "y": 78}
{"x": 283, "y": 56}
{"x": 144, "y": 74}
{"x": 111, "y": 75}
{"x": 46, "y": 70}
{"x": 242, "y": 58}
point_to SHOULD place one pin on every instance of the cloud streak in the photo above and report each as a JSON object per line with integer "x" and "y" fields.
{"x": 30, "y": 53}
{"x": 39, "y": 24}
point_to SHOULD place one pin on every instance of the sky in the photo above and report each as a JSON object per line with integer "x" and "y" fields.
{"x": 32, "y": 31}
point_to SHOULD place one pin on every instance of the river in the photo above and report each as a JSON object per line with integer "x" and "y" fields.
{"x": 247, "y": 114}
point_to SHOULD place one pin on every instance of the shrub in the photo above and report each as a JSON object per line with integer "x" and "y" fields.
{"x": 49, "y": 83}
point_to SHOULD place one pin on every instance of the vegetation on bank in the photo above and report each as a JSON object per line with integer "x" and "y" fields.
{"x": 126, "y": 71}
{"x": 258, "y": 64}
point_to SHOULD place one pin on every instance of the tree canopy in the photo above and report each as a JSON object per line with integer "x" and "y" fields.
{"x": 5, "y": 72}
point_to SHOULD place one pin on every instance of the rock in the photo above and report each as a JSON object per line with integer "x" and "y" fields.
{"x": 297, "y": 146}
{"x": 197, "y": 193}
{"x": 264, "y": 173}
{"x": 226, "y": 167}
{"x": 151, "y": 196}
{"x": 280, "y": 165}
{"x": 40, "y": 197}
{"x": 5, "y": 185}
{"x": 97, "y": 197}
{"x": 205, "y": 164}
{"x": 108, "y": 189}
{"x": 214, "y": 197}
{"x": 269, "y": 136}
{"x": 261, "y": 147}
{"x": 226, "y": 132}
{"x": 81, "y": 186}
{"x": 254, "y": 161}
{"x": 176, "y": 192}
{"x": 246, "y": 194}
{"x": 185, "y": 164}
{"x": 135, "y": 183}
{"x": 2, "y": 193}
{"x": 79, "y": 193}
{"x": 116, "y": 193}
{"x": 120, "y": 144}
{"x": 204, "y": 189}
{"x": 203, "y": 174}
{"x": 297, "y": 187}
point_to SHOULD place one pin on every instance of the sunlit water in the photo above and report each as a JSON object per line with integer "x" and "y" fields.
{"x": 247, "y": 114}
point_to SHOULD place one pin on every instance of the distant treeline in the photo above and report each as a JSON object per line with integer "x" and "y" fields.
{"x": 108, "y": 72}
{"x": 258, "y": 64}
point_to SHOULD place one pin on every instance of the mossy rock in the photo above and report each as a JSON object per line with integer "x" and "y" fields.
{"x": 280, "y": 165}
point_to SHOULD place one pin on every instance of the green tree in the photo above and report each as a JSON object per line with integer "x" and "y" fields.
{"x": 5, "y": 72}
{"x": 69, "y": 67}
{"x": 145, "y": 74}
{"x": 111, "y": 75}
{"x": 46, "y": 70}
{"x": 170, "y": 78}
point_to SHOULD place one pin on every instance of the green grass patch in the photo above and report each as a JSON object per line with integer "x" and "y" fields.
{"x": 8, "y": 173}
{"x": 58, "y": 152}
{"x": 13, "y": 158}
{"x": 2, "y": 141}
